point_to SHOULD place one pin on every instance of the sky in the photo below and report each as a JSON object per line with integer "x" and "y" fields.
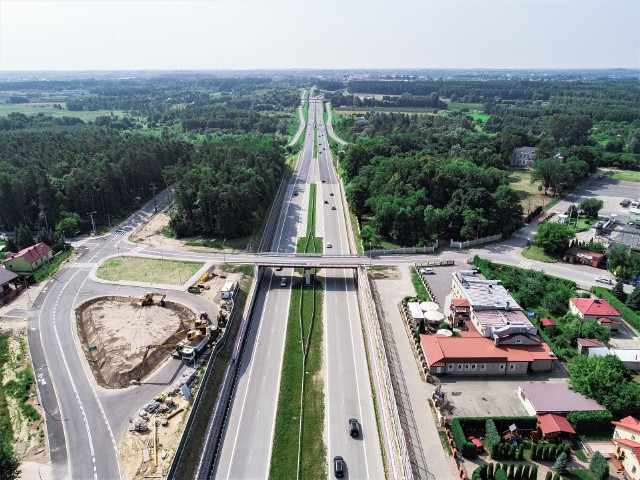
{"x": 325, "y": 34}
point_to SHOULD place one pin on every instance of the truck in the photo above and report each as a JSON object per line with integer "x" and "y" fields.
{"x": 194, "y": 347}
{"x": 229, "y": 290}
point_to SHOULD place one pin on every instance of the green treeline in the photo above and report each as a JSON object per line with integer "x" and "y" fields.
{"x": 227, "y": 186}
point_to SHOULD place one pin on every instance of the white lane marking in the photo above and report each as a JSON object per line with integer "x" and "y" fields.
{"x": 326, "y": 377}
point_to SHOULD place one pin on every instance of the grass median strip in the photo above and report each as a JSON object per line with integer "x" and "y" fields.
{"x": 310, "y": 243}
{"x": 150, "y": 270}
{"x": 284, "y": 457}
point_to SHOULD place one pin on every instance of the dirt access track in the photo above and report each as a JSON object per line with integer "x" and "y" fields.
{"x": 115, "y": 331}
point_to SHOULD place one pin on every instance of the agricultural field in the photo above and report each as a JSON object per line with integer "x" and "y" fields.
{"x": 46, "y": 108}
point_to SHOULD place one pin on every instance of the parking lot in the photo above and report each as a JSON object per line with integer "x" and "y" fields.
{"x": 440, "y": 282}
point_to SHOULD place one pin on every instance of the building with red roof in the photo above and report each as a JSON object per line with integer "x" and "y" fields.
{"x": 547, "y": 322}
{"x": 552, "y": 425}
{"x": 595, "y": 310}
{"x": 476, "y": 355}
{"x": 28, "y": 259}
{"x": 626, "y": 438}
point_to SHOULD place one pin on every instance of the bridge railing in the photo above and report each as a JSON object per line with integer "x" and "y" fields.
{"x": 394, "y": 442}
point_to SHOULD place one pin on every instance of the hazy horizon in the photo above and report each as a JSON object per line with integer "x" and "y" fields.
{"x": 106, "y": 35}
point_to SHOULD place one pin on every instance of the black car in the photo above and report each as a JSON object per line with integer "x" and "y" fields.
{"x": 354, "y": 427}
{"x": 338, "y": 466}
{"x": 333, "y": 208}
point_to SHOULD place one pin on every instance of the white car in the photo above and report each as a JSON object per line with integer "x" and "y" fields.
{"x": 606, "y": 280}
{"x": 427, "y": 271}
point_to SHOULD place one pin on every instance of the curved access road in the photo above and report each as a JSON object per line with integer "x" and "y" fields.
{"x": 296, "y": 137}
{"x": 330, "y": 126}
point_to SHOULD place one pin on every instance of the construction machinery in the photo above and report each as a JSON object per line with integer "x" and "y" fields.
{"x": 178, "y": 346}
{"x": 206, "y": 276}
{"x": 202, "y": 323}
{"x": 149, "y": 299}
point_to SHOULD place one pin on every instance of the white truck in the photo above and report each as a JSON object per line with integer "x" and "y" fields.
{"x": 191, "y": 351}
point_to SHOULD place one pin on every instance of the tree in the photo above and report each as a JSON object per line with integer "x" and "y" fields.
{"x": 421, "y": 328}
{"x": 618, "y": 291}
{"x": 23, "y": 236}
{"x": 549, "y": 475}
{"x": 618, "y": 260}
{"x": 599, "y": 466}
{"x": 561, "y": 464}
{"x": 68, "y": 225}
{"x": 591, "y": 207}
{"x": 500, "y": 475}
{"x": 553, "y": 237}
{"x": 9, "y": 463}
{"x": 595, "y": 330}
{"x": 545, "y": 171}
{"x": 633, "y": 302}
{"x": 491, "y": 435}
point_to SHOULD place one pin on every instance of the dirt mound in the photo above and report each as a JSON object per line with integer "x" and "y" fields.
{"x": 115, "y": 331}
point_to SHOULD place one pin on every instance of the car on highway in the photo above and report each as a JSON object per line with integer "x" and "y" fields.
{"x": 333, "y": 208}
{"x": 606, "y": 280}
{"x": 331, "y": 194}
{"x": 323, "y": 181}
{"x": 477, "y": 443}
{"x": 338, "y": 466}
{"x": 328, "y": 245}
{"x": 278, "y": 269}
{"x": 283, "y": 282}
{"x": 354, "y": 427}
{"x": 326, "y": 201}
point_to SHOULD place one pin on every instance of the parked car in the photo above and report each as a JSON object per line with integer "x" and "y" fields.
{"x": 333, "y": 208}
{"x": 354, "y": 427}
{"x": 477, "y": 443}
{"x": 625, "y": 202}
{"x": 606, "y": 280}
{"x": 283, "y": 282}
{"x": 427, "y": 271}
{"x": 338, "y": 466}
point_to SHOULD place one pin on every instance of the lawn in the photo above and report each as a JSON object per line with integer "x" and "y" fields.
{"x": 530, "y": 196}
{"x": 579, "y": 474}
{"x": 46, "y": 108}
{"x": 286, "y": 444}
{"x": 628, "y": 175}
{"x": 421, "y": 291}
{"x": 533, "y": 252}
{"x": 50, "y": 268}
{"x": 149, "y": 270}
{"x": 468, "y": 106}
{"x": 479, "y": 116}
{"x": 310, "y": 243}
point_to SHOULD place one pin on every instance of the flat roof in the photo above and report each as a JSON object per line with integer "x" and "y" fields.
{"x": 557, "y": 397}
{"x": 415, "y": 310}
{"x": 485, "y": 294}
{"x": 502, "y": 318}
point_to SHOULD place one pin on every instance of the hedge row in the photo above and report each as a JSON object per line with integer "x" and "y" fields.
{"x": 467, "y": 449}
{"x": 549, "y": 451}
{"x": 507, "y": 451}
{"x": 598, "y": 422}
{"x": 476, "y": 425}
{"x": 493, "y": 471}
{"x": 629, "y": 315}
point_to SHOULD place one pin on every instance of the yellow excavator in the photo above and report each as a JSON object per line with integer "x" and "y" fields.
{"x": 149, "y": 299}
{"x": 179, "y": 346}
{"x": 205, "y": 277}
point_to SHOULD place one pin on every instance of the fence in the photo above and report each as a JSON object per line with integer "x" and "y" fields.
{"x": 272, "y": 221}
{"x": 215, "y": 422}
{"x": 477, "y": 241}
{"x": 394, "y": 442}
{"x": 393, "y": 251}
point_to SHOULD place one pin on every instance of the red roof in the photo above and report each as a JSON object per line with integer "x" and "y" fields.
{"x": 547, "y": 322}
{"x": 460, "y": 302}
{"x": 629, "y": 422}
{"x": 31, "y": 254}
{"x": 552, "y": 423}
{"x": 439, "y": 348}
{"x": 590, "y": 306}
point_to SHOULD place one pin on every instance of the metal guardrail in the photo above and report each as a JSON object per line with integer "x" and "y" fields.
{"x": 215, "y": 425}
{"x": 399, "y": 462}
{"x": 272, "y": 222}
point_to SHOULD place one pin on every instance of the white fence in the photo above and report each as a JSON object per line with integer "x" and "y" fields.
{"x": 410, "y": 250}
{"x": 477, "y": 241}
{"x": 393, "y": 438}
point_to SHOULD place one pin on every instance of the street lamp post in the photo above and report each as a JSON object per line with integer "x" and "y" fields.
{"x": 369, "y": 253}
{"x": 224, "y": 252}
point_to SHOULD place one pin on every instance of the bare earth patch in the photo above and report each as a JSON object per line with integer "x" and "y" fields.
{"x": 115, "y": 331}
{"x": 384, "y": 272}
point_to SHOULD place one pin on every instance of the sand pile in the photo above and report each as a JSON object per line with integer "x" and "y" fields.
{"x": 115, "y": 331}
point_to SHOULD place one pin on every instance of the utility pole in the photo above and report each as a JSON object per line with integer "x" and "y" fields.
{"x": 93, "y": 223}
{"x": 155, "y": 205}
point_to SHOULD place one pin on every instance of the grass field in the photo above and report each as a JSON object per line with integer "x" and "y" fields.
{"x": 138, "y": 269}
{"x": 460, "y": 106}
{"x": 479, "y": 116}
{"x": 284, "y": 456}
{"x": 310, "y": 243}
{"x": 533, "y": 252}
{"x": 421, "y": 291}
{"x": 47, "y": 109}
{"x": 530, "y": 196}
{"x": 48, "y": 270}
{"x": 628, "y": 175}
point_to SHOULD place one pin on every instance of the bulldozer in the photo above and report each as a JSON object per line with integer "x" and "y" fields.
{"x": 206, "y": 276}
{"x": 149, "y": 299}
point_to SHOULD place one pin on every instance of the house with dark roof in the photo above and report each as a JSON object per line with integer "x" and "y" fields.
{"x": 28, "y": 259}
{"x": 473, "y": 354}
{"x": 523, "y": 157}
{"x": 626, "y": 438}
{"x": 584, "y": 257}
{"x": 6, "y": 292}
{"x": 558, "y": 398}
{"x": 596, "y": 309}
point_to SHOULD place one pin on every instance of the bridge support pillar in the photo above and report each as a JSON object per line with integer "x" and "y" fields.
{"x": 307, "y": 276}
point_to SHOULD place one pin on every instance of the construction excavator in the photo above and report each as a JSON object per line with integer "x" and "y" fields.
{"x": 204, "y": 278}
{"x": 179, "y": 346}
{"x": 149, "y": 299}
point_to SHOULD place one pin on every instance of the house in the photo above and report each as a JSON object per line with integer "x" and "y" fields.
{"x": 28, "y": 259}
{"x": 460, "y": 311}
{"x": 626, "y": 438}
{"x": 473, "y": 354}
{"x": 584, "y": 257}
{"x": 595, "y": 309}
{"x": 558, "y": 398}
{"x": 523, "y": 157}
{"x": 548, "y": 322}
{"x": 587, "y": 344}
{"x": 491, "y": 308}
{"x": 6, "y": 292}
{"x": 552, "y": 426}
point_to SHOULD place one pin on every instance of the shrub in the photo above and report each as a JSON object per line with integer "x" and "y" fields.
{"x": 458, "y": 435}
{"x": 512, "y": 451}
{"x": 510, "y": 471}
{"x": 519, "y": 471}
{"x": 500, "y": 475}
{"x": 561, "y": 464}
{"x": 597, "y": 422}
{"x": 556, "y": 477}
{"x": 490, "y": 471}
{"x": 491, "y": 435}
{"x": 520, "y": 454}
{"x": 526, "y": 472}
{"x": 533, "y": 475}
{"x": 548, "y": 476}
{"x": 470, "y": 450}
{"x": 599, "y": 466}
{"x": 553, "y": 452}
{"x": 480, "y": 473}
{"x": 495, "y": 451}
